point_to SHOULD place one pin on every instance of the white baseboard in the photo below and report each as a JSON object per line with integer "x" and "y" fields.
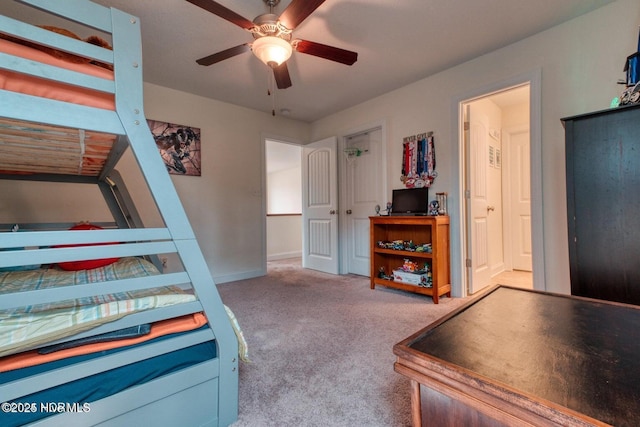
{"x": 239, "y": 276}
{"x": 284, "y": 255}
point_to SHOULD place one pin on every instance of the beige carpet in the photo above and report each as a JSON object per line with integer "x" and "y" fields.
{"x": 321, "y": 347}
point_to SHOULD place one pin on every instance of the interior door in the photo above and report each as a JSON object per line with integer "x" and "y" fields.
{"x": 363, "y": 192}
{"x": 520, "y": 195}
{"x": 476, "y": 134}
{"x": 320, "y": 206}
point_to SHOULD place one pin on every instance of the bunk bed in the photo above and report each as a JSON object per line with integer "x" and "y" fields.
{"x": 91, "y": 331}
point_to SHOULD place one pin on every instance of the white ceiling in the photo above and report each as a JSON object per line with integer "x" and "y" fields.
{"x": 398, "y": 42}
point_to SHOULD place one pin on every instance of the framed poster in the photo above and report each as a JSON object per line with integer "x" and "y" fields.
{"x": 179, "y": 147}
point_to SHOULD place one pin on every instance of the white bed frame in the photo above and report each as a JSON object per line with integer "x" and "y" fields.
{"x": 205, "y": 394}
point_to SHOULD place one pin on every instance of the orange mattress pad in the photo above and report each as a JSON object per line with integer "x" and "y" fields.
{"x": 21, "y": 83}
{"x": 164, "y": 327}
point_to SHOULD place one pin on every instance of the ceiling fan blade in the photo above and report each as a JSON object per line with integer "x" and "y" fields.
{"x": 281, "y": 74}
{"x": 224, "y": 13}
{"x": 225, "y": 54}
{"x": 327, "y": 52}
{"x": 298, "y": 11}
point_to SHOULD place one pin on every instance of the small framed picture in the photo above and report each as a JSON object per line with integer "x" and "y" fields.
{"x": 179, "y": 147}
{"x": 498, "y": 158}
{"x": 492, "y": 156}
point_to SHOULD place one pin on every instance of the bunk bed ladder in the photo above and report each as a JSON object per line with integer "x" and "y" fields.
{"x": 122, "y": 207}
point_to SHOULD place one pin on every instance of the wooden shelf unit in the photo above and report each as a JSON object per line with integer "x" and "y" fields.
{"x": 420, "y": 230}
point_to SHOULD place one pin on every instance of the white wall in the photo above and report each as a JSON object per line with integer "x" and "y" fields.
{"x": 284, "y": 191}
{"x": 515, "y": 115}
{"x": 580, "y": 62}
{"x": 224, "y": 205}
{"x": 284, "y": 237}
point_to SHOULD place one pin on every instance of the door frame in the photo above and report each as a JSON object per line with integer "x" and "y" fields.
{"x": 342, "y": 184}
{"x": 459, "y": 278}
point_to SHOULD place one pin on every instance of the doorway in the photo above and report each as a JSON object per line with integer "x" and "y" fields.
{"x": 461, "y": 265}
{"x": 498, "y": 204}
{"x": 362, "y": 188}
{"x": 283, "y": 200}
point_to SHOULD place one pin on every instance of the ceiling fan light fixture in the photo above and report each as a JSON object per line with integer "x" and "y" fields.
{"x": 271, "y": 50}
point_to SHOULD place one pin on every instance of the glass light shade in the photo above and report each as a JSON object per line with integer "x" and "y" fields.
{"x": 271, "y": 50}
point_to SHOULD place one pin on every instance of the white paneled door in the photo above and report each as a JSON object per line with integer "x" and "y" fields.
{"x": 364, "y": 172}
{"x": 519, "y": 153}
{"x": 320, "y": 206}
{"x": 478, "y": 202}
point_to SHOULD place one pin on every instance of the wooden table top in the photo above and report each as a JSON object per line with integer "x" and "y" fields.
{"x": 581, "y": 354}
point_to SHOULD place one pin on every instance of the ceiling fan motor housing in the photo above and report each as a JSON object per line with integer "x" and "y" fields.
{"x": 269, "y": 25}
{"x": 272, "y": 40}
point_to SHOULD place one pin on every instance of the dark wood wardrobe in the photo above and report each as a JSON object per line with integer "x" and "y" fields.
{"x": 603, "y": 203}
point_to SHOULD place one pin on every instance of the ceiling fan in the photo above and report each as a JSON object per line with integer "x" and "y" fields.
{"x": 273, "y": 43}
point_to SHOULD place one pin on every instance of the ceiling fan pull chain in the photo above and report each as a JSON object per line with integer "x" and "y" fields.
{"x": 273, "y": 96}
{"x": 271, "y": 91}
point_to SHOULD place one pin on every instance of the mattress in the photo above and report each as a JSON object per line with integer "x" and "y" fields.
{"x": 38, "y": 356}
{"x": 22, "y": 83}
{"x": 37, "y": 148}
{"x": 31, "y": 326}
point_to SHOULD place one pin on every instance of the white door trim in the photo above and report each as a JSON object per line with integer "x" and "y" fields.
{"x": 456, "y": 205}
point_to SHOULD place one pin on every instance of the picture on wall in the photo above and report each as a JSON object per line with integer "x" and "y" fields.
{"x": 179, "y": 147}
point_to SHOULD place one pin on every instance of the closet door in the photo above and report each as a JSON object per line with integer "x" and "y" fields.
{"x": 603, "y": 204}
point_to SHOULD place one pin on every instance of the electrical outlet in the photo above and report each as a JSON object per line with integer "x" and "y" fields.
{"x": 164, "y": 262}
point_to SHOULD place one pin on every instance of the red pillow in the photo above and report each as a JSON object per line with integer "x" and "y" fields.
{"x": 88, "y": 264}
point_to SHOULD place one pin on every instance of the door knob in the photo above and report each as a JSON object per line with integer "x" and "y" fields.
{"x": 332, "y": 212}
{"x": 349, "y": 211}
{"x": 490, "y": 208}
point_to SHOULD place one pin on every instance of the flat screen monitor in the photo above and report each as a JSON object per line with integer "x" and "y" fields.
{"x": 410, "y": 201}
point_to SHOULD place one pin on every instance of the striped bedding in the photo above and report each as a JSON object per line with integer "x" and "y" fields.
{"x": 30, "y": 326}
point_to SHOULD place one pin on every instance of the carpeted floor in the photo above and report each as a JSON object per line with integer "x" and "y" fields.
{"x": 321, "y": 347}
